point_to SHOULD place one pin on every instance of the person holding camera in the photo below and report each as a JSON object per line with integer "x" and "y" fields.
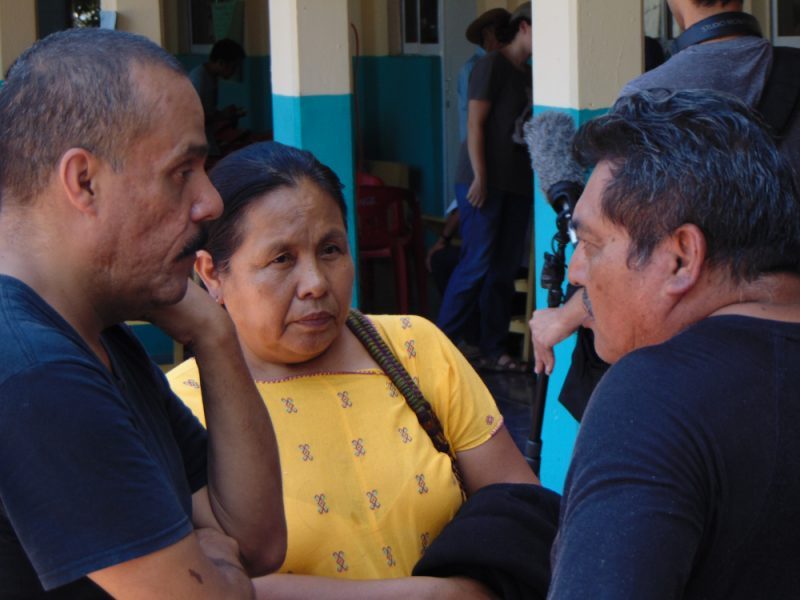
{"x": 493, "y": 190}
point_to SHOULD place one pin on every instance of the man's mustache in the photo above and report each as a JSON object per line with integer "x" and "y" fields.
{"x": 587, "y": 304}
{"x": 198, "y": 242}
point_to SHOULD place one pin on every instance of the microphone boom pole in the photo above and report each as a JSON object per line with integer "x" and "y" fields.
{"x": 549, "y": 137}
{"x": 552, "y": 279}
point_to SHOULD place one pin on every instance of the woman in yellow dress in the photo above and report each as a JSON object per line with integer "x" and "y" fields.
{"x": 365, "y": 489}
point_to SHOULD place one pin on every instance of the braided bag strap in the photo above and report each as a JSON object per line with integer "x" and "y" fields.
{"x": 366, "y": 333}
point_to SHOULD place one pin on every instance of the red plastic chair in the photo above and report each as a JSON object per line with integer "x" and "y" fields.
{"x": 363, "y": 178}
{"x": 390, "y": 226}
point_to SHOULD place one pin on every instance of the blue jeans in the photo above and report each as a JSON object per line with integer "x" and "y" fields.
{"x": 492, "y": 243}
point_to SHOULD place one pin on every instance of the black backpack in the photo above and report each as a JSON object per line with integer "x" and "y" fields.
{"x": 780, "y": 100}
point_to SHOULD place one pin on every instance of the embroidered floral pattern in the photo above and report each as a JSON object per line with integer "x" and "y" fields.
{"x": 372, "y": 496}
{"x": 404, "y": 435}
{"x": 405, "y": 322}
{"x": 322, "y": 505}
{"x": 390, "y": 387}
{"x": 425, "y": 541}
{"x": 423, "y": 488}
{"x": 306, "y": 451}
{"x": 387, "y": 552}
{"x": 344, "y": 398}
{"x": 288, "y": 404}
{"x": 192, "y": 383}
{"x": 341, "y": 564}
{"x": 358, "y": 447}
{"x": 412, "y": 352}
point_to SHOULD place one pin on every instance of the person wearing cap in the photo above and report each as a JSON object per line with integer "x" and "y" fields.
{"x": 442, "y": 257}
{"x": 483, "y": 33}
{"x": 494, "y": 186}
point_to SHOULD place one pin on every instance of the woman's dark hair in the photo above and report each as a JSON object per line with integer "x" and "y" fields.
{"x": 251, "y": 172}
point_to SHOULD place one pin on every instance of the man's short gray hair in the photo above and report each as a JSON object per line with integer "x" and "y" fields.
{"x": 73, "y": 89}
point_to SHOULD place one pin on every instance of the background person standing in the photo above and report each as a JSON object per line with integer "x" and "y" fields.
{"x": 494, "y": 188}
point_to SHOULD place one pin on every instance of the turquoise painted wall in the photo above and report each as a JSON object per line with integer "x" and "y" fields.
{"x": 311, "y": 122}
{"x": 560, "y": 428}
{"x": 159, "y": 345}
{"x": 400, "y": 112}
{"x": 253, "y": 90}
{"x": 400, "y": 118}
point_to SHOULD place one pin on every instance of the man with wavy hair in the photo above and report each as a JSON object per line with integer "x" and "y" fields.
{"x": 737, "y": 61}
{"x": 685, "y": 479}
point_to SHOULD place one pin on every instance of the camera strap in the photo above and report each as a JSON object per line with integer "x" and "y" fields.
{"x": 717, "y": 26}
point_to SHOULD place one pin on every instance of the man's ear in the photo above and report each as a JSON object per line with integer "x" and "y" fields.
{"x": 77, "y": 170}
{"x": 687, "y": 246}
{"x": 204, "y": 266}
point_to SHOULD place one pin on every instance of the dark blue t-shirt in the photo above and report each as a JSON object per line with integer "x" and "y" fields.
{"x": 685, "y": 480}
{"x": 96, "y": 468}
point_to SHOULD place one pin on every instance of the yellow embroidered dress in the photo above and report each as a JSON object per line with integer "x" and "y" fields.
{"x": 365, "y": 491}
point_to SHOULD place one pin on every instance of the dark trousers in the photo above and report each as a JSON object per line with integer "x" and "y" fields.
{"x": 443, "y": 263}
{"x": 492, "y": 244}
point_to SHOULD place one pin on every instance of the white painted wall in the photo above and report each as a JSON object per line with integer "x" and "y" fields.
{"x": 584, "y": 52}
{"x": 314, "y": 34}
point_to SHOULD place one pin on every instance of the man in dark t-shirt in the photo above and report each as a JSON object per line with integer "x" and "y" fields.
{"x": 108, "y": 484}
{"x": 685, "y": 478}
{"x": 737, "y": 63}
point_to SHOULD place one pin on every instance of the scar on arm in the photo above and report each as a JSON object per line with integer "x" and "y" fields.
{"x": 196, "y": 575}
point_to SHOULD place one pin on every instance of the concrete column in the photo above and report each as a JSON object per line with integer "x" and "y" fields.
{"x": 17, "y": 31}
{"x": 145, "y": 17}
{"x": 583, "y": 54}
{"x": 312, "y": 101}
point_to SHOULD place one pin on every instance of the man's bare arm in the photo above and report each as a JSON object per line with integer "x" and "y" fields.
{"x": 302, "y": 587}
{"x": 549, "y": 326}
{"x": 477, "y": 113}
{"x": 204, "y": 564}
{"x": 244, "y": 498}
